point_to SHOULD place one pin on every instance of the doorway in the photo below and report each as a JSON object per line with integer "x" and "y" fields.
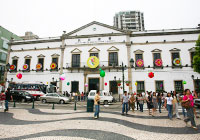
{"x": 75, "y": 86}
{"x": 113, "y": 87}
{"x": 93, "y": 84}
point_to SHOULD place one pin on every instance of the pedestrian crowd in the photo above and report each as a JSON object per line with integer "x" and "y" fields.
{"x": 157, "y": 101}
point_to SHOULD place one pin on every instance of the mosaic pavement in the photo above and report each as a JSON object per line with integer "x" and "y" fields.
{"x": 43, "y": 124}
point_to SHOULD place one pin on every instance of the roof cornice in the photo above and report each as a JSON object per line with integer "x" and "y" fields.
{"x": 166, "y": 33}
{"x": 34, "y": 41}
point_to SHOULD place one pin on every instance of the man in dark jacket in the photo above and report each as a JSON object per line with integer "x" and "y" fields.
{"x": 8, "y": 98}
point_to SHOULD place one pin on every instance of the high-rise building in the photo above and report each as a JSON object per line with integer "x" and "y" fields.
{"x": 129, "y": 20}
{"x": 5, "y": 37}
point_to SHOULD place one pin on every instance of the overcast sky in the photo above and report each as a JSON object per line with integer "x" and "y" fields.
{"x": 50, "y": 17}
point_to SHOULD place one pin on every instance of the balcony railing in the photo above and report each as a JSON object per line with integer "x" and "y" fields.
{"x": 85, "y": 65}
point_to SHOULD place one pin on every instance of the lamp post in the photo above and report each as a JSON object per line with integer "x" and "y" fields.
{"x": 124, "y": 68}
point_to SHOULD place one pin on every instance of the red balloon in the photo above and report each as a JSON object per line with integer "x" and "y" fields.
{"x": 151, "y": 74}
{"x": 19, "y": 75}
{"x": 106, "y": 84}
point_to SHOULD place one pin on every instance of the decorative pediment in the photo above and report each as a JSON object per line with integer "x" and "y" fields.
{"x": 156, "y": 50}
{"x": 41, "y": 55}
{"x": 28, "y": 56}
{"x": 15, "y": 57}
{"x": 94, "y": 49}
{"x": 138, "y": 51}
{"x": 174, "y": 50}
{"x": 76, "y": 50}
{"x": 55, "y": 55}
{"x": 95, "y": 28}
{"x": 192, "y": 49}
{"x": 113, "y": 49}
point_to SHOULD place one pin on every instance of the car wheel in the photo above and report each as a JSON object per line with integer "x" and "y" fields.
{"x": 62, "y": 102}
{"x": 23, "y": 100}
{"x": 44, "y": 101}
{"x": 105, "y": 102}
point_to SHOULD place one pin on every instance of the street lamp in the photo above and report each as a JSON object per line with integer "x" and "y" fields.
{"x": 132, "y": 63}
{"x": 7, "y": 67}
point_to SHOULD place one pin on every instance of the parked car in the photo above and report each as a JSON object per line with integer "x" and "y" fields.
{"x": 197, "y": 102}
{"x": 22, "y": 96}
{"x": 54, "y": 98}
{"x": 105, "y": 96}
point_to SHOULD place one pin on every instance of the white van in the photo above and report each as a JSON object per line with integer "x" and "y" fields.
{"x": 105, "y": 96}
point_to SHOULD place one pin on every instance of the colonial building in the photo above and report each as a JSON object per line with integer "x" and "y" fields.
{"x": 122, "y": 55}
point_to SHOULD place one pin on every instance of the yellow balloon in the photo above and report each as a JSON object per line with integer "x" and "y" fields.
{"x": 136, "y": 83}
{"x": 92, "y": 62}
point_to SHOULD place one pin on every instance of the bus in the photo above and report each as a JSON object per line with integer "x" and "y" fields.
{"x": 35, "y": 89}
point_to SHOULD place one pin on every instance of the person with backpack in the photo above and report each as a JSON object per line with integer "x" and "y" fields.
{"x": 2, "y": 100}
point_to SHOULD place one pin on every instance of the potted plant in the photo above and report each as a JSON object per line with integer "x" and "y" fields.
{"x": 119, "y": 82}
{"x": 127, "y": 82}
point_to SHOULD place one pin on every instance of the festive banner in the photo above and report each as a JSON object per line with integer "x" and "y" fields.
{"x": 140, "y": 63}
{"x": 93, "y": 62}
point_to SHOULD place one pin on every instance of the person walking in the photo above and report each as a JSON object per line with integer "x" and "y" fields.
{"x": 137, "y": 101}
{"x": 155, "y": 104}
{"x": 132, "y": 102}
{"x": 159, "y": 99}
{"x": 183, "y": 109}
{"x": 168, "y": 105}
{"x": 8, "y": 98}
{"x": 125, "y": 100}
{"x": 2, "y": 100}
{"x": 175, "y": 105}
{"x": 149, "y": 102}
{"x": 141, "y": 101}
{"x": 190, "y": 112}
{"x": 97, "y": 104}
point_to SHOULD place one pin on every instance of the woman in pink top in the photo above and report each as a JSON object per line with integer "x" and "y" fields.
{"x": 190, "y": 112}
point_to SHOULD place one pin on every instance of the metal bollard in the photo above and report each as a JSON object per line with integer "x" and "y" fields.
{"x": 75, "y": 105}
{"x": 14, "y": 105}
{"x": 53, "y": 106}
{"x": 33, "y": 106}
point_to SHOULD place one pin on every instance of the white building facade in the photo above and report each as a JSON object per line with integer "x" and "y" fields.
{"x": 114, "y": 48}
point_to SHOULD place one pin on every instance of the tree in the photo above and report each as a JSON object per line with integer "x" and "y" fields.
{"x": 196, "y": 59}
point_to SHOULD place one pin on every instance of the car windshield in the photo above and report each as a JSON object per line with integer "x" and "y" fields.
{"x": 92, "y": 93}
{"x": 61, "y": 95}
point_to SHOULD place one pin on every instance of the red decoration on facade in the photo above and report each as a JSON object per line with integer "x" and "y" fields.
{"x": 106, "y": 84}
{"x": 19, "y": 75}
{"x": 53, "y": 66}
{"x": 119, "y": 84}
{"x": 38, "y": 66}
{"x": 140, "y": 63}
{"x": 158, "y": 62}
{"x": 12, "y": 67}
{"x": 151, "y": 74}
{"x": 25, "y": 67}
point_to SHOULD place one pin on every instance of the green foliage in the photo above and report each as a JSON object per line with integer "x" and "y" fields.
{"x": 196, "y": 59}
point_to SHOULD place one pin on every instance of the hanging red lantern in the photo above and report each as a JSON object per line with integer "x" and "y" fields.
{"x": 119, "y": 84}
{"x": 106, "y": 84}
{"x": 151, "y": 74}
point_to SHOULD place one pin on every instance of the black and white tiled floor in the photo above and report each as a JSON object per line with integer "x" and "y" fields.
{"x": 32, "y": 124}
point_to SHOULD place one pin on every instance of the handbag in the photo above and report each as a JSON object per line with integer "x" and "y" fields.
{"x": 186, "y": 104}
